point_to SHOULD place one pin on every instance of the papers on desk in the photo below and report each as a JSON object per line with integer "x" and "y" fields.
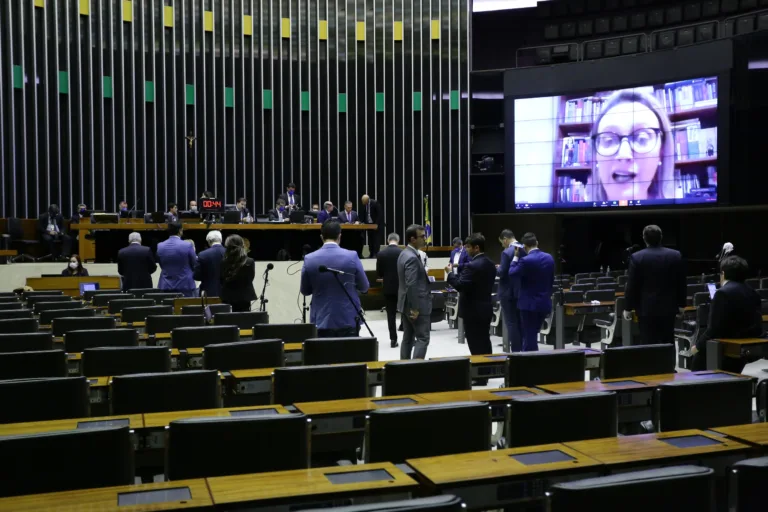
{"x": 595, "y": 302}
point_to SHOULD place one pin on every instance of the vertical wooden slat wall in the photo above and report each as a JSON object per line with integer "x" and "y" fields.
{"x": 156, "y": 101}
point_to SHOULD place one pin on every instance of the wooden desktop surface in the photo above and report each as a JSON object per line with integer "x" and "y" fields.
{"x": 303, "y": 482}
{"x": 655, "y": 380}
{"x": 474, "y": 395}
{"x": 105, "y": 498}
{"x": 355, "y": 405}
{"x": 163, "y": 419}
{"x": 71, "y": 285}
{"x": 492, "y": 465}
{"x": 594, "y": 385}
{"x": 755, "y": 433}
{"x": 645, "y": 447}
{"x": 263, "y": 373}
{"x": 39, "y": 427}
{"x": 190, "y": 226}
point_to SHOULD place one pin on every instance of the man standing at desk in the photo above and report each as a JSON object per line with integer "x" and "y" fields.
{"x": 414, "y": 300}
{"x": 291, "y": 198}
{"x": 656, "y": 288}
{"x": 536, "y": 273}
{"x": 475, "y": 286}
{"x": 208, "y": 266}
{"x": 136, "y": 264}
{"x": 177, "y": 260}
{"x": 373, "y": 213}
{"x": 51, "y": 228}
{"x": 735, "y": 312}
{"x": 386, "y": 269}
{"x": 509, "y": 291}
{"x": 331, "y": 311}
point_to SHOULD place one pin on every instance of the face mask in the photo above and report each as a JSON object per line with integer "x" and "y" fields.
{"x": 193, "y": 209}
{"x": 282, "y": 208}
{"x": 73, "y": 265}
{"x": 123, "y": 209}
{"x": 82, "y": 210}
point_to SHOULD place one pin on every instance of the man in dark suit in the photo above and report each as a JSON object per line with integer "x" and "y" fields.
{"x": 536, "y": 272}
{"x": 475, "y": 286}
{"x": 348, "y": 216}
{"x": 655, "y": 289}
{"x": 735, "y": 312}
{"x": 173, "y": 213}
{"x": 326, "y": 212}
{"x": 291, "y": 199}
{"x": 245, "y": 214}
{"x": 459, "y": 256}
{"x": 208, "y": 267}
{"x": 373, "y": 213}
{"x": 509, "y": 291}
{"x": 279, "y": 212}
{"x": 136, "y": 264}
{"x": 414, "y": 301}
{"x": 386, "y": 268}
{"x": 51, "y": 228}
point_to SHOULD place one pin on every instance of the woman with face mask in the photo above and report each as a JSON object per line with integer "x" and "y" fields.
{"x": 75, "y": 267}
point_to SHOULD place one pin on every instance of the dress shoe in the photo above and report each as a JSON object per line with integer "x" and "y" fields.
{"x": 394, "y": 344}
{"x": 400, "y": 328}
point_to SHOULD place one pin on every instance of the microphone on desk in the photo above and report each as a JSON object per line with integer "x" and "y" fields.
{"x": 323, "y": 268}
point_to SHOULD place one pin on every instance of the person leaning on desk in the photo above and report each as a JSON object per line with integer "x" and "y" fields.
{"x": 735, "y": 312}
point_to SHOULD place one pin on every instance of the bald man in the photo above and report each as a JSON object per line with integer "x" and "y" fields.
{"x": 373, "y": 213}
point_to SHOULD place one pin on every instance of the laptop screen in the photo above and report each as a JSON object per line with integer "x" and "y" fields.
{"x": 712, "y": 289}
{"x": 88, "y": 287}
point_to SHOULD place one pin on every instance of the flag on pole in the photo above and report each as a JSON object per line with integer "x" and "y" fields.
{"x": 427, "y": 225}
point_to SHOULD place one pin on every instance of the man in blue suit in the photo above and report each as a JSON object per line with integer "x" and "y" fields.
{"x": 208, "y": 266}
{"x": 537, "y": 275}
{"x": 509, "y": 291}
{"x": 331, "y": 310}
{"x": 325, "y": 213}
{"x": 177, "y": 260}
{"x": 459, "y": 256}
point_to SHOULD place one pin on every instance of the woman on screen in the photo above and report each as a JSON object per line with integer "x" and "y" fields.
{"x": 634, "y": 153}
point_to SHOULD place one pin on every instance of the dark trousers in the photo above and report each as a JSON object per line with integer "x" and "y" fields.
{"x": 511, "y": 317}
{"x": 415, "y": 337}
{"x": 53, "y": 248}
{"x": 390, "y": 301}
{"x": 657, "y": 329}
{"x": 531, "y": 322}
{"x": 241, "y": 307}
{"x": 343, "y": 332}
{"x": 374, "y": 241}
{"x": 478, "y": 336}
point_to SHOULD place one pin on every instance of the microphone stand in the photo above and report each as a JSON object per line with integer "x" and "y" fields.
{"x": 360, "y": 315}
{"x": 262, "y": 300}
{"x": 304, "y": 307}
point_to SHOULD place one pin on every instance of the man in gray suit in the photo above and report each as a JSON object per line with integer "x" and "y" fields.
{"x": 414, "y": 300}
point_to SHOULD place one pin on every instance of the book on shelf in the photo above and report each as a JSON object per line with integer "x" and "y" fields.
{"x": 577, "y": 151}
{"x": 686, "y": 139}
{"x": 570, "y": 190}
{"x": 688, "y": 94}
{"x": 582, "y": 110}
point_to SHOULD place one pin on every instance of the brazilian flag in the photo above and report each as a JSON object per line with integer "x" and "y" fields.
{"x": 427, "y": 224}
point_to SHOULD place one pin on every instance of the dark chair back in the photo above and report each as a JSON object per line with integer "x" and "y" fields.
{"x": 140, "y": 292}
{"x": 399, "y": 433}
{"x": 695, "y": 288}
{"x": 753, "y": 283}
{"x": 19, "y": 325}
{"x": 38, "y": 293}
{"x": 104, "y": 299}
{"x": 198, "y": 337}
{"x": 8, "y": 306}
{"x": 340, "y": 350}
{"x": 608, "y": 286}
{"x": 160, "y": 297}
{"x": 88, "y": 295}
{"x": 571, "y": 297}
{"x": 50, "y": 306}
{"x": 161, "y": 392}
{"x": 66, "y": 461}
{"x": 746, "y": 486}
{"x": 620, "y": 362}
{"x": 582, "y": 287}
{"x": 79, "y": 341}
{"x": 715, "y": 401}
{"x": 33, "y": 365}
{"x": 606, "y": 279}
{"x": 622, "y": 281}
{"x": 31, "y": 301}
{"x": 700, "y": 298}
{"x": 550, "y": 367}
{"x": 586, "y": 280}
{"x": 318, "y": 383}
{"x": 441, "y": 503}
{"x": 239, "y": 355}
{"x": 61, "y": 326}
{"x": 243, "y": 320}
{"x": 15, "y": 314}
{"x": 763, "y": 292}
{"x": 117, "y": 305}
{"x": 194, "y": 309}
{"x": 289, "y": 333}
{"x": 113, "y": 361}
{"x": 132, "y": 315}
{"x": 545, "y": 419}
{"x": 601, "y": 295}
{"x": 274, "y": 442}
{"x": 761, "y": 399}
{"x": 433, "y": 376}
{"x": 26, "y": 342}
{"x": 43, "y": 399}
{"x": 47, "y": 317}
{"x": 651, "y": 489}
{"x": 167, "y": 323}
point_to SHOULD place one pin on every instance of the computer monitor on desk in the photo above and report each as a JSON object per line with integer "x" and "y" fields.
{"x": 88, "y": 287}
{"x": 232, "y": 217}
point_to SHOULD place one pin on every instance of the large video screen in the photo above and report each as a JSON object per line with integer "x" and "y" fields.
{"x": 640, "y": 146}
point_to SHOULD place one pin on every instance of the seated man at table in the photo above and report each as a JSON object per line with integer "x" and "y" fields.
{"x": 51, "y": 228}
{"x": 735, "y": 312}
{"x": 279, "y": 212}
{"x": 245, "y": 215}
{"x": 326, "y": 213}
{"x": 177, "y": 261}
{"x": 173, "y": 213}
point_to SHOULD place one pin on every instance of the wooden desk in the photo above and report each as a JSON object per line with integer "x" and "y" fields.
{"x": 497, "y": 398}
{"x": 189, "y": 226}
{"x": 748, "y": 348}
{"x": 619, "y": 453}
{"x": 494, "y": 479}
{"x": 106, "y": 498}
{"x": 753, "y": 433}
{"x": 340, "y": 416}
{"x": 71, "y": 285}
{"x": 304, "y": 486}
{"x": 41, "y": 427}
